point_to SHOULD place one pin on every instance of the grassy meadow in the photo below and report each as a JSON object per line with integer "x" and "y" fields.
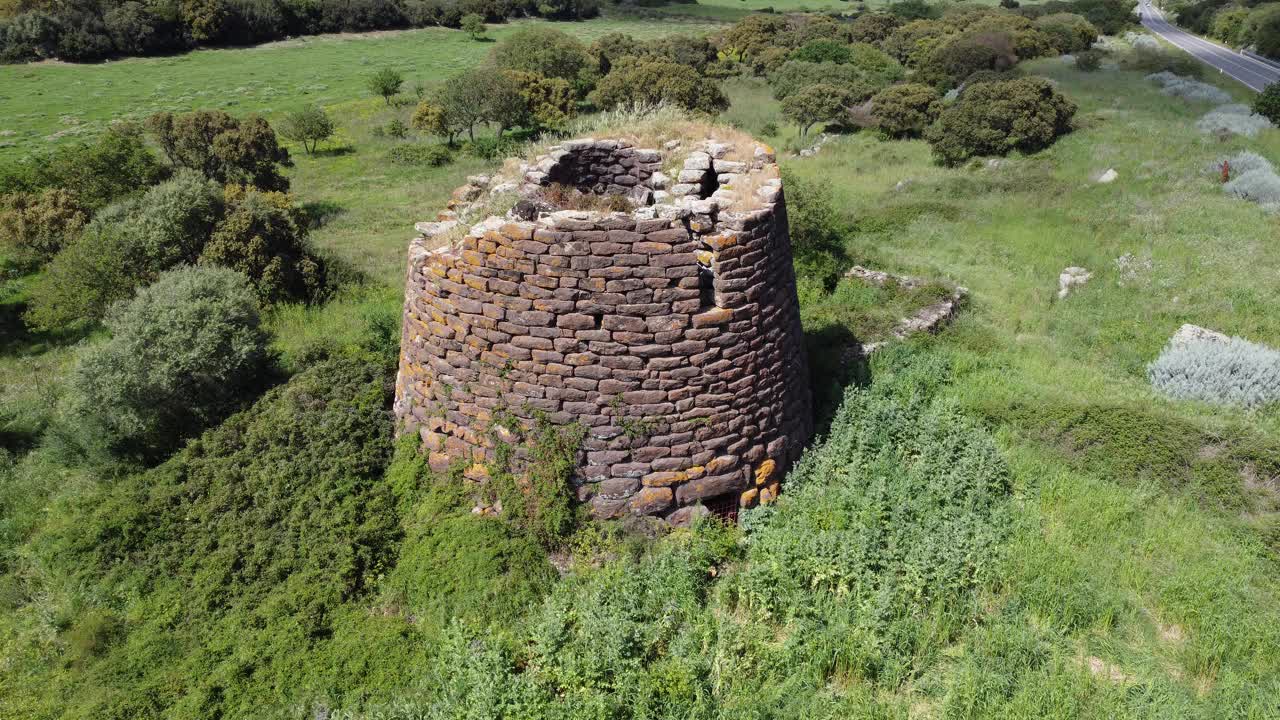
{"x": 1138, "y": 577}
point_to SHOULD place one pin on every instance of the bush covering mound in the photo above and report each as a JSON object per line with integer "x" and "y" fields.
{"x": 1230, "y": 372}
{"x": 996, "y": 118}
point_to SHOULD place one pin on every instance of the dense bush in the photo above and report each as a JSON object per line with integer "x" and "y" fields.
{"x": 1071, "y": 33}
{"x": 814, "y": 104}
{"x": 818, "y": 232}
{"x": 1260, "y": 185}
{"x": 794, "y": 75}
{"x": 125, "y": 247}
{"x": 181, "y": 354}
{"x": 636, "y": 81}
{"x": 1267, "y": 103}
{"x": 819, "y": 51}
{"x": 542, "y": 50}
{"x": 114, "y": 165}
{"x": 421, "y": 154}
{"x": 263, "y": 235}
{"x": 1089, "y": 60}
{"x": 92, "y": 30}
{"x": 35, "y": 226}
{"x": 225, "y": 149}
{"x": 956, "y": 59}
{"x": 905, "y": 110}
{"x": 1263, "y": 28}
{"x": 385, "y": 83}
{"x": 873, "y": 27}
{"x": 1026, "y": 114}
{"x": 1230, "y": 372}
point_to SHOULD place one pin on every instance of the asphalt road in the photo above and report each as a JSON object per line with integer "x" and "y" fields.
{"x": 1254, "y": 74}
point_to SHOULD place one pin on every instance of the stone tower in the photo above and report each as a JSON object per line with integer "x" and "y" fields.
{"x": 663, "y": 317}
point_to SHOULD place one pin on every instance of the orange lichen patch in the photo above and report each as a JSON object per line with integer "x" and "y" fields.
{"x": 704, "y": 256}
{"x": 748, "y": 498}
{"x": 476, "y": 472}
{"x": 720, "y": 464}
{"x": 765, "y": 471}
{"x": 720, "y": 242}
{"x": 769, "y": 494}
{"x": 664, "y": 479}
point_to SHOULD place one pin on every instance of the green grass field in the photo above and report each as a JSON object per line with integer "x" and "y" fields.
{"x": 1140, "y": 577}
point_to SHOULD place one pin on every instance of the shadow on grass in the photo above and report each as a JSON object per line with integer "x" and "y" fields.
{"x": 836, "y": 361}
{"x": 318, "y": 213}
{"x": 336, "y": 151}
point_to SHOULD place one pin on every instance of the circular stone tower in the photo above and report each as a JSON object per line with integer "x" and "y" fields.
{"x": 646, "y": 294}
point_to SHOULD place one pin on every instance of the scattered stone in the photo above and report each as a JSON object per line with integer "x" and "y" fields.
{"x": 1189, "y": 334}
{"x": 1109, "y": 176}
{"x": 1071, "y": 278}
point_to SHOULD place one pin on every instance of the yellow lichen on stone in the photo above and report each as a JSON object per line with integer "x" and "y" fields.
{"x": 704, "y": 256}
{"x": 765, "y": 471}
{"x": 748, "y": 498}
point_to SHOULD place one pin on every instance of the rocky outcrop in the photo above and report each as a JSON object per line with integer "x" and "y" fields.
{"x": 671, "y": 332}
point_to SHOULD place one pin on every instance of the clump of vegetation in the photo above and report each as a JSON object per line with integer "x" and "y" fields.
{"x": 814, "y": 104}
{"x": 1267, "y": 103}
{"x": 181, "y": 354}
{"x": 1189, "y": 89}
{"x": 1230, "y": 372}
{"x": 35, "y": 226}
{"x": 385, "y": 83}
{"x": 567, "y": 197}
{"x": 1089, "y": 60}
{"x": 1234, "y": 119}
{"x": 310, "y": 126}
{"x": 222, "y": 148}
{"x": 430, "y": 155}
{"x": 1026, "y": 114}
{"x": 905, "y": 110}
{"x": 635, "y": 81}
{"x": 96, "y": 174}
{"x": 263, "y": 235}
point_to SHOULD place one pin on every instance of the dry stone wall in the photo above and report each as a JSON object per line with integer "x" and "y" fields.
{"x": 672, "y": 332}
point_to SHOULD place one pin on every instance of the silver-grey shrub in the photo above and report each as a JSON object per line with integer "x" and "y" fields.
{"x": 1234, "y": 118}
{"x": 1260, "y": 185}
{"x": 180, "y": 356}
{"x": 1231, "y": 372}
{"x": 1242, "y": 162}
{"x": 1188, "y": 89}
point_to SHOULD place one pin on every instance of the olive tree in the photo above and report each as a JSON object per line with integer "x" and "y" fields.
{"x": 181, "y": 353}
{"x": 308, "y": 126}
{"x": 815, "y": 104}
{"x": 385, "y": 82}
{"x": 223, "y": 148}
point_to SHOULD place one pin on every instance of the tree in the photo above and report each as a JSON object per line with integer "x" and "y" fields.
{"x": 1069, "y": 32}
{"x": 650, "y": 81}
{"x": 181, "y": 353}
{"x": 542, "y": 50}
{"x": 115, "y": 165}
{"x": 505, "y": 105}
{"x": 473, "y": 25}
{"x": 905, "y": 110}
{"x": 263, "y": 236}
{"x": 222, "y": 148}
{"x": 995, "y": 118}
{"x": 956, "y": 59}
{"x": 550, "y": 101}
{"x": 463, "y": 102}
{"x": 435, "y": 119}
{"x": 385, "y": 82}
{"x": 308, "y": 126}
{"x": 1267, "y": 103}
{"x": 126, "y": 246}
{"x": 873, "y": 27}
{"x": 815, "y": 104}
{"x": 34, "y": 226}
{"x": 795, "y": 75}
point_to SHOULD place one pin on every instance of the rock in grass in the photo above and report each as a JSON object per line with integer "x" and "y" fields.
{"x": 1071, "y": 278}
{"x": 1109, "y": 176}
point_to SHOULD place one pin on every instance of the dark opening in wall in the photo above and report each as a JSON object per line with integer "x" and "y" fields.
{"x": 724, "y": 506}
{"x": 709, "y": 184}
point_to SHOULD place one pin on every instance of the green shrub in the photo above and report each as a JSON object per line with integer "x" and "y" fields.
{"x": 873, "y": 27}
{"x": 125, "y": 247}
{"x": 115, "y": 165}
{"x": 817, "y": 51}
{"x": 905, "y": 110}
{"x": 1089, "y": 60}
{"x": 223, "y": 148}
{"x": 180, "y": 355}
{"x": 1026, "y": 114}
{"x": 309, "y": 126}
{"x": 34, "y": 226}
{"x": 952, "y": 61}
{"x": 1267, "y": 103}
{"x": 473, "y": 24}
{"x": 385, "y": 83}
{"x": 814, "y": 104}
{"x": 263, "y": 235}
{"x": 1070, "y": 32}
{"x": 634, "y": 81}
{"x": 397, "y": 129}
{"x": 1263, "y": 27}
{"x": 421, "y": 154}
{"x": 1160, "y": 61}
{"x": 818, "y": 232}
{"x": 542, "y": 50}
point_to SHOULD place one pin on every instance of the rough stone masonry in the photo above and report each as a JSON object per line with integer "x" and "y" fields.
{"x": 672, "y": 332}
